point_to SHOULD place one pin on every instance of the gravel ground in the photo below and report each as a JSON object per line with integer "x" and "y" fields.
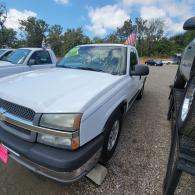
{"x": 139, "y": 163}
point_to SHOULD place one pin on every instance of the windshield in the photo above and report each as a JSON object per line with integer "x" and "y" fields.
{"x": 2, "y": 51}
{"x": 108, "y": 59}
{"x": 18, "y": 56}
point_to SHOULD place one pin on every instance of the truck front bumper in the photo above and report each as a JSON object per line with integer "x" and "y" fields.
{"x": 64, "y": 177}
{"x": 58, "y": 164}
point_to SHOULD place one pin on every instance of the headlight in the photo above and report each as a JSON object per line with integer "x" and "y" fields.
{"x": 60, "y": 142}
{"x": 61, "y": 122}
{"x": 66, "y": 122}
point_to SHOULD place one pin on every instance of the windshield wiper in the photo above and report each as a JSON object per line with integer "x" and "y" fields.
{"x": 88, "y": 68}
{"x": 62, "y": 66}
{"x": 81, "y": 68}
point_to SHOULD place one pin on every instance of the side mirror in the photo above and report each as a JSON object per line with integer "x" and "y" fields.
{"x": 140, "y": 70}
{"x": 189, "y": 24}
{"x": 31, "y": 62}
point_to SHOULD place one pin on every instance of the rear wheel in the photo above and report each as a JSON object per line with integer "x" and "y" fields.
{"x": 172, "y": 174}
{"x": 173, "y": 156}
{"x": 112, "y": 133}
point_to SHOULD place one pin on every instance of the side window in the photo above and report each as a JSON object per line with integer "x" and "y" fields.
{"x": 133, "y": 60}
{"x": 39, "y": 58}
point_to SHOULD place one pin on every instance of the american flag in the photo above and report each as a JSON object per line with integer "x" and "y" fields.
{"x": 131, "y": 39}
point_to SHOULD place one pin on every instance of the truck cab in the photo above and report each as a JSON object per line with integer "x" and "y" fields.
{"x": 27, "y": 59}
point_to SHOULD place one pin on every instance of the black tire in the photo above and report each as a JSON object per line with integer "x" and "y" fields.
{"x": 106, "y": 153}
{"x": 172, "y": 163}
{"x": 179, "y": 81}
{"x": 186, "y": 114}
{"x": 140, "y": 95}
{"x": 171, "y": 106}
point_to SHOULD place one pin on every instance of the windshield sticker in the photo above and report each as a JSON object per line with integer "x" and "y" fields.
{"x": 73, "y": 52}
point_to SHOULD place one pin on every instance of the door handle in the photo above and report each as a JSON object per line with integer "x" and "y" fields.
{"x": 190, "y": 47}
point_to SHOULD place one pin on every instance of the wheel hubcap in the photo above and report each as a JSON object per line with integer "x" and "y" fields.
{"x": 188, "y": 100}
{"x": 113, "y": 135}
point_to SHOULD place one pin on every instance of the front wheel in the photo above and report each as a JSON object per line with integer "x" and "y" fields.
{"x": 179, "y": 82}
{"x": 186, "y": 115}
{"x": 112, "y": 133}
{"x": 140, "y": 95}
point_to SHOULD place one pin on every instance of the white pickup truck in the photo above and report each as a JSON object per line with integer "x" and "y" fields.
{"x": 60, "y": 122}
{"x": 27, "y": 59}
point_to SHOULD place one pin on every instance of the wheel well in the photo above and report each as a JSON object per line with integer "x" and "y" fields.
{"x": 193, "y": 67}
{"x": 123, "y": 107}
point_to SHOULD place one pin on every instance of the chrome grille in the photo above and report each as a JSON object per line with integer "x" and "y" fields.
{"x": 17, "y": 110}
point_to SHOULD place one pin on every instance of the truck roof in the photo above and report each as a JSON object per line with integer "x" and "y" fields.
{"x": 108, "y": 44}
{"x": 7, "y": 49}
{"x": 33, "y": 48}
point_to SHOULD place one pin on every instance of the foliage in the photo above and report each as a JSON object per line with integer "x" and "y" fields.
{"x": 8, "y": 38}
{"x": 34, "y": 30}
{"x": 123, "y": 32}
{"x": 73, "y": 37}
{"x": 97, "y": 40}
{"x": 54, "y": 39}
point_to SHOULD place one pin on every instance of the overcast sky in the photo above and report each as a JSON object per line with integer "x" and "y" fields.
{"x": 100, "y": 17}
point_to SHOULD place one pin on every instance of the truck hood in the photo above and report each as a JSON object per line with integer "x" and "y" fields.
{"x": 56, "y": 90}
{"x": 4, "y": 63}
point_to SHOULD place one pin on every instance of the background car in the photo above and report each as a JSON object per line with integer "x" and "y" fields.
{"x": 168, "y": 61}
{"x": 152, "y": 62}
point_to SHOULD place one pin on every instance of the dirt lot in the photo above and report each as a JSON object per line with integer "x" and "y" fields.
{"x": 139, "y": 163}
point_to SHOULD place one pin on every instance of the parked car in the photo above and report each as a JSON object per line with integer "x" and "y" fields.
{"x": 159, "y": 63}
{"x": 177, "y": 58}
{"x": 27, "y": 59}
{"x": 60, "y": 122}
{"x": 168, "y": 61}
{"x": 4, "y": 53}
{"x": 152, "y": 62}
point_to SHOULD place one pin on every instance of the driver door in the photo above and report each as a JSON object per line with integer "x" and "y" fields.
{"x": 134, "y": 81}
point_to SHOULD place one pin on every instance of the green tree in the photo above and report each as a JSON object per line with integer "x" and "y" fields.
{"x": 55, "y": 39}
{"x": 141, "y": 26}
{"x": 73, "y": 37}
{"x": 97, "y": 40}
{"x": 154, "y": 32}
{"x": 34, "y": 30}
{"x": 123, "y": 32}
{"x": 112, "y": 38}
{"x": 8, "y": 37}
